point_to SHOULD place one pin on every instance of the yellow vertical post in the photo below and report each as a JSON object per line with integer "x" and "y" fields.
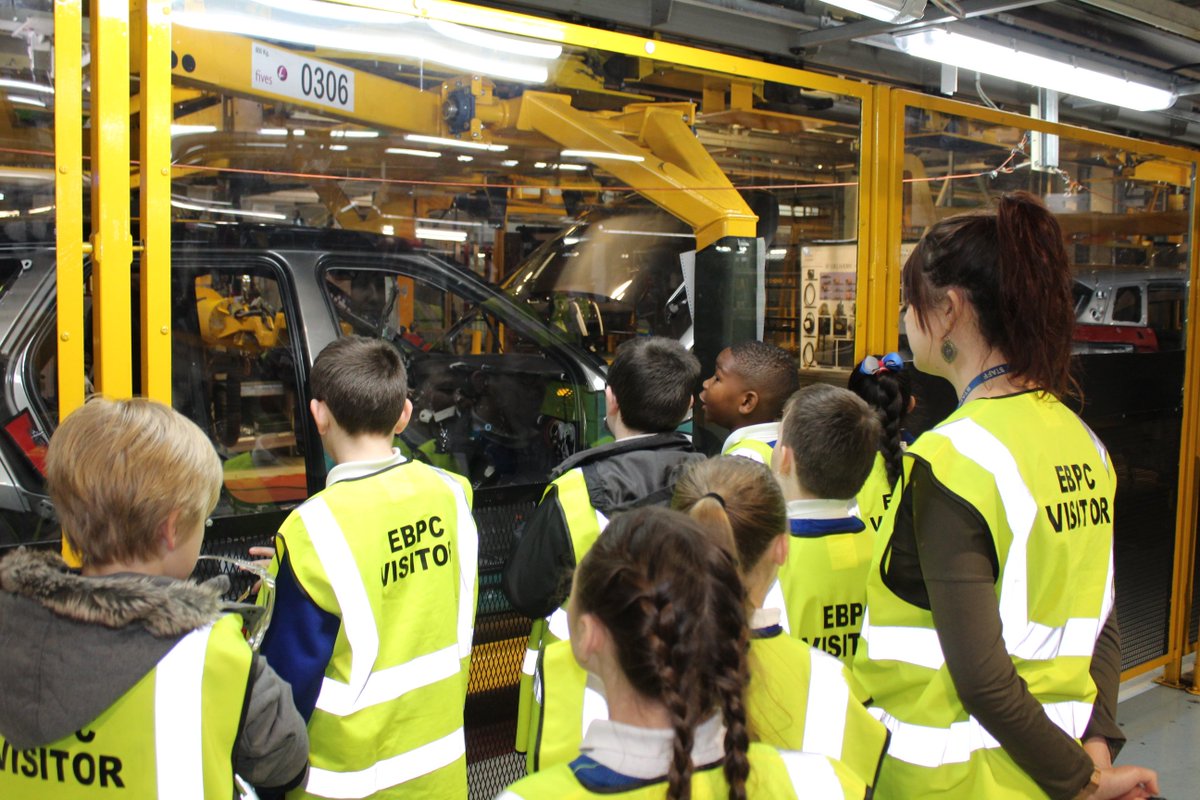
{"x": 155, "y": 198}
{"x": 891, "y": 213}
{"x": 112, "y": 247}
{"x": 867, "y": 303}
{"x": 68, "y": 199}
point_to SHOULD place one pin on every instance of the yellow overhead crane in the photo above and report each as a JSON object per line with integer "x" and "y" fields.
{"x": 663, "y": 161}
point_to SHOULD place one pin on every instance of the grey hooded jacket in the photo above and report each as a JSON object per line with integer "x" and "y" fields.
{"x": 71, "y": 646}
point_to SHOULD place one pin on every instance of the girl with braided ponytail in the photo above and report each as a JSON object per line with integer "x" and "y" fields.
{"x": 657, "y": 614}
{"x": 799, "y": 698}
{"x": 886, "y": 387}
{"x": 990, "y": 646}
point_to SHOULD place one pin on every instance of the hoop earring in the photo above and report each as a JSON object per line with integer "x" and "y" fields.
{"x": 949, "y": 351}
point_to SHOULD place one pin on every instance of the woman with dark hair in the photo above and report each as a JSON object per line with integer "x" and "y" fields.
{"x": 886, "y": 387}
{"x": 657, "y": 613}
{"x": 991, "y": 650}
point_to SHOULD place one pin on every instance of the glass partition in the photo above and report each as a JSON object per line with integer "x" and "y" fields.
{"x": 1125, "y": 210}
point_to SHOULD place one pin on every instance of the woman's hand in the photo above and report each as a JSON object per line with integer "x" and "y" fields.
{"x": 1126, "y": 783}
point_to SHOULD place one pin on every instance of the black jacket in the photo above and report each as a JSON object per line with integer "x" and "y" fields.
{"x": 620, "y": 475}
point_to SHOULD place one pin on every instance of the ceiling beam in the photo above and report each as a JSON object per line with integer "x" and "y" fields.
{"x": 858, "y": 30}
{"x": 1164, "y": 14}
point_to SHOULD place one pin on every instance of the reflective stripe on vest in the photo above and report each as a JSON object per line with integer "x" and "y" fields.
{"x": 367, "y": 688}
{"x": 178, "y": 749}
{"x": 828, "y": 696}
{"x": 774, "y": 599}
{"x": 1023, "y": 638}
{"x": 389, "y": 772}
{"x": 812, "y": 775}
{"x": 927, "y": 746}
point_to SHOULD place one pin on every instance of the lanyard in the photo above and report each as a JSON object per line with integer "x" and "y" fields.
{"x": 982, "y": 378}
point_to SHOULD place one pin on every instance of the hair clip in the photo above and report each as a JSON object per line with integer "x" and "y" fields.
{"x": 716, "y": 497}
{"x": 873, "y": 365}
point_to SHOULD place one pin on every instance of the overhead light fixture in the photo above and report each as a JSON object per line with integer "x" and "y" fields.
{"x": 439, "y": 235}
{"x": 404, "y": 151}
{"x": 466, "y": 158}
{"x": 601, "y": 155}
{"x": 420, "y": 137}
{"x": 344, "y": 134}
{"x": 233, "y": 212}
{"x": 898, "y": 12}
{"x": 1021, "y": 65}
{"x": 26, "y": 86}
{"x": 512, "y": 162}
{"x": 441, "y": 221}
{"x": 338, "y": 147}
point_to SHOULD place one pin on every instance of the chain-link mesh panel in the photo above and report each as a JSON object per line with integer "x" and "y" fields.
{"x": 240, "y": 583}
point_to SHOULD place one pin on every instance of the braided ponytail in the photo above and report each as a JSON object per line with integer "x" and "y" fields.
{"x": 670, "y": 597}
{"x": 888, "y": 392}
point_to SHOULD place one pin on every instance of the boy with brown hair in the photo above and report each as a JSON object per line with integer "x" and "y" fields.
{"x": 128, "y": 676}
{"x": 746, "y": 393}
{"x": 375, "y": 594}
{"x": 826, "y": 448}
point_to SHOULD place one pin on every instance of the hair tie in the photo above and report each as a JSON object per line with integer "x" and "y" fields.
{"x": 873, "y": 365}
{"x": 716, "y": 497}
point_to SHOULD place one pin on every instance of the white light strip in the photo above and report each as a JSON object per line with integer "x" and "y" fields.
{"x": 566, "y": 167}
{"x": 463, "y": 223}
{"x": 404, "y": 151}
{"x": 234, "y": 212}
{"x": 343, "y": 134}
{"x": 600, "y": 154}
{"x": 26, "y": 101}
{"x": 184, "y": 130}
{"x": 968, "y": 52}
{"x": 422, "y": 138}
{"x": 490, "y": 41}
{"x": 338, "y": 147}
{"x": 26, "y": 86}
{"x": 898, "y": 13}
{"x": 436, "y": 234}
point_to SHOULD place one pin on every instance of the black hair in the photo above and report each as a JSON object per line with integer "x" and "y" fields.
{"x": 770, "y": 371}
{"x": 889, "y": 394}
{"x": 653, "y": 380}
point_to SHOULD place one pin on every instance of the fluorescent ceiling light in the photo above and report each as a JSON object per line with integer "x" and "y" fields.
{"x": 184, "y": 130}
{"x": 439, "y": 235}
{"x": 40, "y": 210}
{"x": 895, "y": 11}
{"x": 26, "y": 86}
{"x": 387, "y": 230}
{"x": 567, "y": 167}
{"x": 27, "y": 101}
{"x": 343, "y": 134}
{"x": 233, "y": 212}
{"x": 980, "y": 55}
{"x": 404, "y": 151}
{"x": 420, "y": 137}
{"x": 464, "y": 223}
{"x": 272, "y": 131}
{"x": 600, "y": 154}
{"x": 512, "y": 162}
{"x": 466, "y": 158}
{"x": 338, "y": 147}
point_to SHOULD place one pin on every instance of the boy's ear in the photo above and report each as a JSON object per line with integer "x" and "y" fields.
{"x": 321, "y": 415}
{"x": 168, "y": 532}
{"x": 783, "y": 461}
{"x": 611, "y": 407}
{"x": 748, "y": 403}
{"x": 405, "y": 417}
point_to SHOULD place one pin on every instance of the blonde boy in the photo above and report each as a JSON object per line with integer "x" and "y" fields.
{"x": 375, "y": 594}
{"x": 127, "y": 676}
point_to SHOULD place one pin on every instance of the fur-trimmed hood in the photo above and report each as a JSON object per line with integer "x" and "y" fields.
{"x": 73, "y": 645}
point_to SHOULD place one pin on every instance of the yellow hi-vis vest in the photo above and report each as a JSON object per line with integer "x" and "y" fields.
{"x": 755, "y": 442}
{"x": 875, "y": 497}
{"x": 394, "y": 556}
{"x": 171, "y": 736}
{"x": 584, "y": 525}
{"x": 1043, "y": 483}
{"x": 775, "y": 774}
{"x": 822, "y": 587}
{"x": 798, "y": 698}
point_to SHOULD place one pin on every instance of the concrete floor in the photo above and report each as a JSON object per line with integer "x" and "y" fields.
{"x": 1163, "y": 730}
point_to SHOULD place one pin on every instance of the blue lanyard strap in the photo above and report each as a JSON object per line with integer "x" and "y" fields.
{"x": 982, "y": 378}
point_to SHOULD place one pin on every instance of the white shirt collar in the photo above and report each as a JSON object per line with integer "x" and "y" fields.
{"x": 764, "y": 618}
{"x": 361, "y": 469}
{"x": 645, "y": 753}
{"x": 820, "y": 509}
{"x": 766, "y": 432}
